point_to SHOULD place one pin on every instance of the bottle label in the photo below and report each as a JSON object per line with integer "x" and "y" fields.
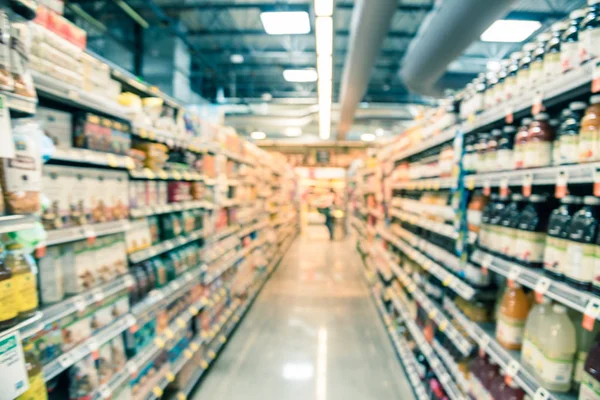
{"x": 537, "y": 73}
{"x": 510, "y": 86}
{"x": 474, "y": 217}
{"x": 8, "y": 310}
{"x": 538, "y": 154}
{"x": 555, "y": 370}
{"x": 568, "y": 149}
{"x": 579, "y": 366}
{"x": 510, "y": 330}
{"x": 504, "y": 159}
{"x": 590, "y": 388}
{"x": 529, "y": 246}
{"x": 589, "y": 40}
{"x": 26, "y": 292}
{"x": 37, "y": 389}
{"x": 569, "y": 55}
{"x": 581, "y": 261}
{"x": 523, "y": 80}
{"x": 587, "y": 144}
{"x": 552, "y": 64}
{"x": 519, "y": 156}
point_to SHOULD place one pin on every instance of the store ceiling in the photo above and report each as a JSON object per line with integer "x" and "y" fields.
{"x": 220, "y": 29}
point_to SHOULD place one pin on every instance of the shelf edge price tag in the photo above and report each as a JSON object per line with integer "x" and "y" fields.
{"x": 541, "y": 287}
{"x": 597, "y": 182}
{"x": 158, "y": 392}
{"x": 561, "y": 184}
{"x": 170, "y": 377}
{"x": 512, "y": 276}
{"x": 504, "y": 187}
{"x": 592, "y": 310}
{"x": 541, "y": 394}
{"x": 537, "y": 106}
{"x": 487, "y": 190}
{"x": 512, "y": 369}
{"x": 509, "y": 117}
{"x": 596, "y": 79}
{"x": 526, "y": 188}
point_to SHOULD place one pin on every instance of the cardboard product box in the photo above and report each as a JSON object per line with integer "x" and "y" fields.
{"x": 57, "y": 125}
{"x": 162, "y": 192}
{"x": 151, "y": 193}
{"x": 76, "y": 332}
{"x": 80, "y": 208}
{"x": 56, "y": 188}
{"x": 179, "y": 191}
{"x": 99, "y": 200}
{"x": 119, "y": 199}
{"x": 138, "y": 236}
{"x": 113, "y": 89}
{"x": 50, "y": 276}
{"x": 79, "y": 273}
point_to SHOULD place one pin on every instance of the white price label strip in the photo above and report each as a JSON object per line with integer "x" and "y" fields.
{"x": 541, "y": 394}
{"x": 512, "y": 369}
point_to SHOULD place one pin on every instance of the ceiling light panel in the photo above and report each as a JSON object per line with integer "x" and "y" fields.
{"x": 323, "y": 8}
{"x": 367, "y": 137}
{"x": 258, "y": 135}
{"x": 292, "y": 132}
{"x": 510, "y": 31}
{"x": 300, "y": 75}
{"x": 285, "y": 22}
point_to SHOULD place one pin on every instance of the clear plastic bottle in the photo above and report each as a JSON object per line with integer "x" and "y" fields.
{"x": 558, "y": 345}
{"x": 569, "y": 51}
{"x": 530, "y": 352}
{"x": 26, "y": 296}
{"x": 552, "y": 66}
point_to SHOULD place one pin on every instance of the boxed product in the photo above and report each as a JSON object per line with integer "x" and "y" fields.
{"x": 104, "y": 363}
{"x": 79, "y": 274}
{"x": 57, "y": 184}
{"x": 162, "y": 193}
{"x": 170, "y": 226}
{"x": 91, "y": 132}
{"x": 76, "y": 331}
{"x": 179, "y": 191}
{"x": 50, "y": 275}
{"x": 81, "y": 197}
{"x": 117, "y": 185}
{"x": 57, "y": 125}
{"x": 83, "y": 378}
{"x": 138, "y": 236}
{"x": 96, "y": 73}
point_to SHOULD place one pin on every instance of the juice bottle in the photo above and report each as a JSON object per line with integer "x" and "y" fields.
{"x": 37, "y": 384}
{"x": 498, "y": 385}
{"x": 495, "y": 217}
{"x": 8, "y": 312}
{"x": 556, "y": 236}
{"x": 511, "y": 318}
{"x": 531, "y": 226}
{"x": 590, "y": 381}
{"x": 476, "y": 368}
{"x": 585, "y": 339}
{"x": 581, "y": 244}
{"x": 26, "y": 297}
{"x": 558, "y": 346}
{"x": 507, "y": 226}
{"x": 530, "y": 353}
{"x": 488, "y": 374}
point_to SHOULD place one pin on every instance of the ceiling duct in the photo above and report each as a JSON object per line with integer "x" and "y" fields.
{"x": 370, "y": 25}
{"x": 445, "y": 35}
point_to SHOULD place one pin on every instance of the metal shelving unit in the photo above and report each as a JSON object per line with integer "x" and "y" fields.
{"x": 433, "y": 226}
{"x": 86, "y": 232}
{"x": 14, "y": 223}
{"x": 437, "y": 140}
{"x": 91, "y": 157}
{"x": 169, "y": 208}
{"x": 165, "y": 246}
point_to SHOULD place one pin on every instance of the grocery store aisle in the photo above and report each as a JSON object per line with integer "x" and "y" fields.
{"x": 313, "y": 333}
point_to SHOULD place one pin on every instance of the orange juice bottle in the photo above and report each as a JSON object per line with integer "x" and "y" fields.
{"x": 514, "y": 309}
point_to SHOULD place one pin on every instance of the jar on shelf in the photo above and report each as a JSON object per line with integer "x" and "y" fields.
{"x": 589, "y": 34}
{"x": 504, "y": 154}
{"x": 538, "y": 149}
{"x": 22, "y": 267}
{"x": 510, "y": 84}
{"x": 530, "y": 239}
{"x": 499, "y": 92}
{"x": 569, "y": 50}
{"x": 567, "y": 142}
{"x": 490, "y": 91}
{"x": 524, "y": 74}
{"x": 482, "y": 141}
{"x": 494, "y": 224}
{"x": 552, "y": 66}
{"x": 520, "y": 142}
{"x": 507, "y": 227}
{"x": 470, "y": 151}
{"x": 8, "y": 312}
{"x": 589, "y": 136}
{"x": 475, "y": 210}
{"x": 537, "y": 63}
{"x": 492, "y": 149}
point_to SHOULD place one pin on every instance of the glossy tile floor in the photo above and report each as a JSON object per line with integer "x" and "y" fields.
{"x": 313, "y": 333}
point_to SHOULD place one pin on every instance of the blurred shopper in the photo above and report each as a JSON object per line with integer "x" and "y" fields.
{"x": 329, "y": 203}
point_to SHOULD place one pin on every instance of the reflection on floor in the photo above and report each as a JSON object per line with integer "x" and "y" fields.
{"x": 313, "y": 333}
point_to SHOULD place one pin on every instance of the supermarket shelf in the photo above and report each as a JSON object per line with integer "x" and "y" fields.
{"x": 508, "y": 361}
{"x": 86, "y": 232}
{"x": 437, "y": 227}
{"x": 427, "y": 184}
{"x": 20, "y": 104}
{"x": 449, "y": 260}
{"x": 407, "y": 357}
{"x": 252, "y": 228}
{"x": 164, "y": 175}
{"x": 53, "y": 89}
{"x": 231, "y": 262}
{"x": 25, "y": 327}
{"x": 69, "y": 358}
{"x": 84, "y": 156}
{"x": 79, "y": 303}
{"x": 448, "y": 279}
{"x": 165, "y": 246}
{"x": 171, "y": 139}
{"x": 561, "y": 88}
{"x": 433, "y": 311}
{"x": 168, "y": 208}
{"x": 427, "y": 144}
{"x": 451, "y": 365}
{"x": 13, "y": 223}
{"x": 215, "y": 237}
{"x": 375, "y": 213}
{"x": 438, "y": 368}
{"x": 133, "y": 81}
{"x": 446, "y": 213}
{"x": 572, "y": 174}
{"x": 535, "y": 279}
{"x": 237, "y": 157}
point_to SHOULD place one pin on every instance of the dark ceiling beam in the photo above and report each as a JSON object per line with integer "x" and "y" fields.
{"x": 290, "y": 53}
{"x": 261, "y": 32}
{"x": 224, "y": 6}
{"x": 535, "y": 15}
{"x": 270, "y": 65}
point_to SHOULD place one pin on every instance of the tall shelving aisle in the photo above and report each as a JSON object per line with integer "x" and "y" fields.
{"x": 145, "y": 231}
{"x": 491, "y": 196}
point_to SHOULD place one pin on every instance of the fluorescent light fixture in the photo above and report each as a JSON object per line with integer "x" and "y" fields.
{"x": 379, "y": 132}
{"x": 325, "y": 67}
{"x": 367, "y": 137}
{"x": 323, "y": 8}
{"x": 300, "y": 75}
{"x": 293, "y": 132}
{"x": 285, "y": 22}
{"x": 493, "y": 65}
{"x": 324, "y": 36}
{"x": 257, "y": 135}
{"x": 236, "y": 58}
{"x": 297, "y": 371}
{"x": 510, "y": 31}
{"x": 324, "y": 129}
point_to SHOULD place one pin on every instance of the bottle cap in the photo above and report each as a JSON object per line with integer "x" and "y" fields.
{"x": 570, "y": 199}
{"x": 537, "y": 198}
{"x": 591, "y": 200}
{"x": 595, "y": 99}
{"x": 509, "y": 129}
{"x": 544, "y": 37}
{"x": 541, "y": 117}
{"x": 578, "y": 105}
{"x": 517, "y": 197}
{"x": 560, "y": 26}
{"x": 578, "y": 13}
{"x": 526, "y": 121}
